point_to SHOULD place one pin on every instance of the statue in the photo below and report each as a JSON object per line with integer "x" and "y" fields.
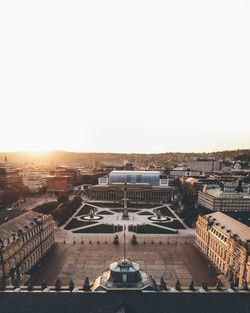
{"x": 91, "y": 213}
{"x": 158, "y": 214}
{"x": 116, "y": 241}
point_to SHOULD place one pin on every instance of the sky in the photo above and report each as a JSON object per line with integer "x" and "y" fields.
{"x": 125, "y": 76}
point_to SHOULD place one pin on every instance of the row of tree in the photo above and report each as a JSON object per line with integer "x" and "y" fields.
{"x": 61, "y": 211}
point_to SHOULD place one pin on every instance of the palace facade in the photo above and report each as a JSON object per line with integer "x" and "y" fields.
{"x": 226, "y": 243}
{"x": 23, "y": 242}
{"x": 141, "y": 186}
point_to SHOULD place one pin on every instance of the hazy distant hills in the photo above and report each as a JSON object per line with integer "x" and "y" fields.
{"x": 65, "y": 157}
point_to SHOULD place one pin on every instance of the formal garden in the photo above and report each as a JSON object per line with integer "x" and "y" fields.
{"x": 104, "y": 217}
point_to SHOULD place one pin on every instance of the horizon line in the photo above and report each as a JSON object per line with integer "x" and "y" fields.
{"x": 106, "y": 152}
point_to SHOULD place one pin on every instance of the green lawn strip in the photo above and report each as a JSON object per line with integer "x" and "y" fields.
{"x": 105, "y": 213}
{"x": 121, "y": 210}
{"x": 120, "y": 205}
{"x": 149, "y": 229}
{"x": 174, "y": 224}
{"x": 100, "y": 228}
{"x": 145, "y": 213}
{"x": 165, "y": 211}
{"x": 74, "y": 223}
{"x": 85, "y": 210}
{"x": 107, "y": 205}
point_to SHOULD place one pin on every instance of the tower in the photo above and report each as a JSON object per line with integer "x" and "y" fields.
{"x": 125, "y": 207}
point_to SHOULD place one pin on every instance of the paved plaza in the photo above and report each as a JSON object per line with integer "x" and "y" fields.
{"x": 172, "y": 261}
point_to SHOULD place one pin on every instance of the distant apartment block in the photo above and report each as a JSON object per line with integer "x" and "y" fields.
{"x": 184, "y": 171}
{"x": 191, "y": 185}
{"x": 206, "y": 165}
{"x": 23, "y": 242}
{"x": 59, "y": 184}
{"x": 10, "y": 178}
{"x": 226, "y": 242}
{"x": 213, "y": 198}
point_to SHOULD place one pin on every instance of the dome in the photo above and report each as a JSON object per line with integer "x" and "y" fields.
{"x": 135, "y": 177}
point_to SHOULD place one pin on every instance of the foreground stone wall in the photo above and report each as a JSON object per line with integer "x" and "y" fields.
{"x": 132, "y": 301}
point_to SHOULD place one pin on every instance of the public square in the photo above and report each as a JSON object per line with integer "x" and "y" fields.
{"x": 173, "y": 261}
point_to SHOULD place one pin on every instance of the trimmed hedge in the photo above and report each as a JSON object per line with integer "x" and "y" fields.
{"x": 105, "y": 213}
{"x": 149, "y": 229}
{"x": 74, "y": 223}
{"x": 165, "y": 211}
{"x": 86, "y": 209}
{"x": 100, "y": 228}
{"x": 174, "y": 224}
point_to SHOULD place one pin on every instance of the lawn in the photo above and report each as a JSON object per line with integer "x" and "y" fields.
{"x": 86, "y": 209}
{"x": 129, "y": 210}
{"x": 74, "y": 223}
{"x": 174, "y": 224}
{"x": 105, "y": 213}
{"x": 120, "y": 205}
{"x": 165, "y": 211}
{"x": 149, "y": 229}
{"x": 100, "y": 228}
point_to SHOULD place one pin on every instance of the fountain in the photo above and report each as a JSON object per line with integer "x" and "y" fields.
{"x": 158, "y": 217}
{"x": 92, "y": 216}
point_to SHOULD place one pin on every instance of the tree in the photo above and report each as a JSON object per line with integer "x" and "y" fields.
{"x": 62, "y": 198}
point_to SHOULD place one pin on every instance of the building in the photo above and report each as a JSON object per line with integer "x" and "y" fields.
{"x": 226, "y": 242}
{"x": 34, "y": 179}
{"x": 206, "y": 165}
{"x": 184, "y": 171}
{"x": 239, "y": 185}
{"x": 191, "y": 185}
{"x": 141, "y": 186}
{"x": 72, "y": 172}
{"x": 213, "y": 198}
{"x": 59, "y": 184}
{"x": 23, "y": 242}
{"x": 9, "y": 177}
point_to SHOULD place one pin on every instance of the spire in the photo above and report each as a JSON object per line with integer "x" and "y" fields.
{"x": 5, "y": 159}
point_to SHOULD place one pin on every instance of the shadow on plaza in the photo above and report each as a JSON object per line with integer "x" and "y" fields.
{"x": 172, "y": 260}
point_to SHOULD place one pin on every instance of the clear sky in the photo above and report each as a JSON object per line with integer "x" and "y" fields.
{"x": 125, "y": 76}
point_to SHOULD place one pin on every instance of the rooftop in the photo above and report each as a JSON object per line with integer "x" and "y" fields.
{"x": 17, "y": 223}
{"x": 235, "y": 226}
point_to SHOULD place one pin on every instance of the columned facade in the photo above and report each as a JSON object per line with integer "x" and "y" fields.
{"x": 24, "y": 241}
{"x": 135, "y": 192}
{"x": 217, "y": 238}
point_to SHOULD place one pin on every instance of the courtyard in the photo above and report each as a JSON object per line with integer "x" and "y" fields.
{"x": 171, "y": 260}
